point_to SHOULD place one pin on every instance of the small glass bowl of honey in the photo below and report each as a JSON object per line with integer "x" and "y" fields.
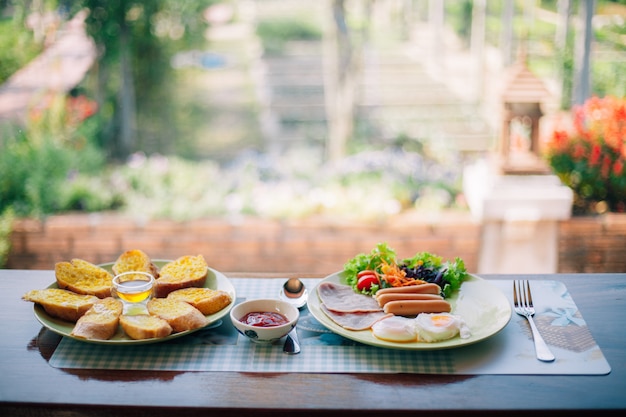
{"x": 134, "y": 289}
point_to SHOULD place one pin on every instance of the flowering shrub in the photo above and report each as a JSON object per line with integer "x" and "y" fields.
{"x": 590, "y": 155}
{"x": 60, "y": 116}
{"x": 367, "y": 186}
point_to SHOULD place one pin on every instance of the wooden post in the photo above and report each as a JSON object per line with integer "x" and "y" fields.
{"x": 582, "y": 67}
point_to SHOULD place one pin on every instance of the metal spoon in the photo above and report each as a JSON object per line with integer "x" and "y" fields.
{"x": 294, "y": 292}
{"x": 292, "y": 343}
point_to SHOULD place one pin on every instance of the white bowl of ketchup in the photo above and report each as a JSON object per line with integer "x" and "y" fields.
{"x": 264, "y": 320}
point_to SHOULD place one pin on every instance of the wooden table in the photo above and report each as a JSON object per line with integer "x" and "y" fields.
{"x": 29, "y": 386}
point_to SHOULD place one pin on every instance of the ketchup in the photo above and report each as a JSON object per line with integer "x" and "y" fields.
{"x": 264, "y": 319}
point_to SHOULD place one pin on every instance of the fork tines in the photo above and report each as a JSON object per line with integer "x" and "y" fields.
{"x": 524, "y": 299}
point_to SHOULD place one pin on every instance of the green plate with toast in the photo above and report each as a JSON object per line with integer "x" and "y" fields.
{"x": 215, "y": 280}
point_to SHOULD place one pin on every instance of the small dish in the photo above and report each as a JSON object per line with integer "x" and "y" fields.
{"x": 134, "y": 289}
{"x": 260, "y": 334}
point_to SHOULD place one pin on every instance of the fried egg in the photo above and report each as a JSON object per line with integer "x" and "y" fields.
{"x": 395, "y": 329}
{"x": 435, "y": 327}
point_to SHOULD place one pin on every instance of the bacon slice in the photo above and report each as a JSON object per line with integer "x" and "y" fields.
{"x": 355, "y": 321}
{"x": 343, "y": 299}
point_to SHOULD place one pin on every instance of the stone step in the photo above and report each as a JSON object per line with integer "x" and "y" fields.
{"x": 396, "y": 95}
{"x": 299, "y": 112}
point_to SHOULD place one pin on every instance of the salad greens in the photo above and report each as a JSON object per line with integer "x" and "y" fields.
{"x": 423, "y": 266}
{"x": 431, "y": 268}
{"x": 373, "y": 261}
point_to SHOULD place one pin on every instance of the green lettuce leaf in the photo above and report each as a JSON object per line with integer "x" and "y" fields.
{"x": 372, "y": 261}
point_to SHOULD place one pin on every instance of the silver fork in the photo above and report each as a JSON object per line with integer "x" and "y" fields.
{"x": 523, "y": 302}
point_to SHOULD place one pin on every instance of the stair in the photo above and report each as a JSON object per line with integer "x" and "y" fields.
{"x": 396, "y": 97}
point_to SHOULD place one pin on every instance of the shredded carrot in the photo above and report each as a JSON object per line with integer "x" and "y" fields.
{"x": 396, "y": 277}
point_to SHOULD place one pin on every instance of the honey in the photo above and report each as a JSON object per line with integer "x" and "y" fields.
{"x": 134, "y": 291}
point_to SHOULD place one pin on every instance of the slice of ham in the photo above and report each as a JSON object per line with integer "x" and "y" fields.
{"x": 343, "y": 299}
{"x": 355, "y": 320}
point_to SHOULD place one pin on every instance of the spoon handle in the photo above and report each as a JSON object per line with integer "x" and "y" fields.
{"x": 292, "y": 344}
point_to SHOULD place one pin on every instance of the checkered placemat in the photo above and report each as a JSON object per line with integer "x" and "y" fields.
{"x": 221, "y": 348}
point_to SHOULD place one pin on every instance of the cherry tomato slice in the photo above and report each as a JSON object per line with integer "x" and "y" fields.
{"x": 365, "y": 272}
{"x": 366, "y": 282}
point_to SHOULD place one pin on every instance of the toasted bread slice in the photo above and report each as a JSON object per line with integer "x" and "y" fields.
{"x": 206, "y": 300}
{"x": 62, "y": 304}
{"x": 101, "y": 321}
{"x": 187, "y": 271}
{"x": 83, "y": 277}
{"x": 145, "y": 326}
{"x": 135, "y": 260}
{"x": 180, "y": 315}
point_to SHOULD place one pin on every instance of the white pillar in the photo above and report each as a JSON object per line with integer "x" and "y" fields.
{"x": 519, "y": 215}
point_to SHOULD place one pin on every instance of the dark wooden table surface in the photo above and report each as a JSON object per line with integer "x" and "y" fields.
{"x": 29, "y": 386}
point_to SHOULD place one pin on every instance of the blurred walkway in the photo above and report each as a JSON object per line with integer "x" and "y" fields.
{"x": 59, "y": 68}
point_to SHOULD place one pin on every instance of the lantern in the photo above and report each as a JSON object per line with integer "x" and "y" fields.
{"x": 519, "y": 149}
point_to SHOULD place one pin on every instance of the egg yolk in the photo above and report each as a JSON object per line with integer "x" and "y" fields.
{"x": 440, "y": 321}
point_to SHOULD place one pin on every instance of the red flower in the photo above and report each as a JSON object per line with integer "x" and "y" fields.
{"x": 80, "y": 108}
{"x": 596, "y": 152}
{"x": 579, "y": 152}
{"x": 560, "y": 140}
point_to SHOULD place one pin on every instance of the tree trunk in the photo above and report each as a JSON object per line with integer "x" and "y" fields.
{"x": 126, "y": 99}
{"x": 339, "y": 81}
{"x": 479, "y": 13}
{"x": 582, "y": 64}
{"x": 563, "y": 46}
{"x": 506, "y": 39}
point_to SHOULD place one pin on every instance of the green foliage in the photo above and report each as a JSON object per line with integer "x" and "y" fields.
{"x": 276, "y": 32}
{"x": 89, "y": 193}
{"x": 17, "y": 47}
{"x": 39, "y": 166}
{"x": 459, "y": 14}
{"x": 34, "y": 175}
{"x": 6, "y": 226}
{"x": 137, "y": 40}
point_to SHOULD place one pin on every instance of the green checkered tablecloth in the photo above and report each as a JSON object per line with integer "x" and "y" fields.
{"x": 221, "y": 348}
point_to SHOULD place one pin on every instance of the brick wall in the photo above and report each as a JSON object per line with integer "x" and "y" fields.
{"x": 593, "y": 244}
{"x": 312, "y": 246}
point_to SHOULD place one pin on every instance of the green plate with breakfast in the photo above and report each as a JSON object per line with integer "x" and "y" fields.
{"x": 417, "y": 303}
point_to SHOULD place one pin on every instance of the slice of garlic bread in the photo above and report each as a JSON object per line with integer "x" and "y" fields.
{"x": 145, "y": 326}
{"x": 186, "y": 271}
{"x": 101, "y": 321}
{"x": 135, "y": 260}
{"x": 206, "y": 300}
{"x": 83, "y": 277}
{"x": 62, "y": 304}
{"x": 180, "y": 315}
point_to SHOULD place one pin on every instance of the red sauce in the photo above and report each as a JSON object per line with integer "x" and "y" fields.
{"x": 264, "y": 319}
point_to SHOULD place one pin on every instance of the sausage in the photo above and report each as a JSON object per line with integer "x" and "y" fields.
{"x": 428, "y": 288}
{"x": 391, "y": 296}
{"x": 415, "y": 307}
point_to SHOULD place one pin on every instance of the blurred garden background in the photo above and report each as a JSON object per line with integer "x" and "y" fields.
{"x": 355, "y": 110}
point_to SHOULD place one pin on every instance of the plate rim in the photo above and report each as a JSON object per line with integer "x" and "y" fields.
{"x": 45, "y": 319}
{"x": 366, "y": 337}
